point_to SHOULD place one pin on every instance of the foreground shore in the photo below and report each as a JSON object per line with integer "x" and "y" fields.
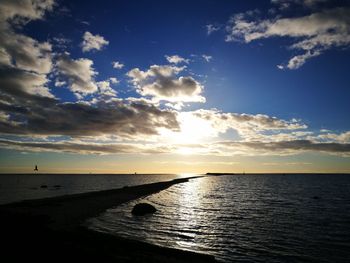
{"x": 49, "y": 230}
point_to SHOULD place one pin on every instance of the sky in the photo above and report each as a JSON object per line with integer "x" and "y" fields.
{"x": 174, "y": 86}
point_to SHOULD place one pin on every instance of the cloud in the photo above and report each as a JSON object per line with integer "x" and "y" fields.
{"x": 105, "y": 87}
{"x": 161, "y": 83}
{"x": 117, "y": 117}
{"x": 285, "y": 4}
{"x": 117, "y": 65}
{"x": 297, "y": 61}
{"x": 83, "y": 147}
{"x": 335, "y": 137}
{"x": 175, "y": 59}
{"x": 248, "y": 126}
{"x": 313, "y": 34}
{"x": 29, "y": 110}
{"x": 24, "y": 61}
{"x": 17, "y": 82}
{"x": 17, "y": 50}
{"x": 61, "y": 42}
{"x": 93, "y": 42}
{"x": 222, "y": 148}
{"x": 114, "y": 80}
{"x": 25, "y": 53}
{"x": 207, "y": 58}
{"x": 286, "y": 147}
{"x": 27, "y": 106}
{"x": 78, "y": 73}
{"x": 80, "y": 76}
{"x": 212, "y": 28}
{"x": 22, "y": 11}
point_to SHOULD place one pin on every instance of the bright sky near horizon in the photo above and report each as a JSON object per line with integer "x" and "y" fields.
{"x": 174, "y": 86}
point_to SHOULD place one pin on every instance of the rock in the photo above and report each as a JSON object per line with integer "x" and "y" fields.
{"x": 316, "y": 197}
{"x": 143, "y": 209}
{"x": 57, "y": 186}
{"x": 43, "y": 186}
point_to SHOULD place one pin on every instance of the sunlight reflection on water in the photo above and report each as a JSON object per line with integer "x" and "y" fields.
{"x": 259, "y": 218}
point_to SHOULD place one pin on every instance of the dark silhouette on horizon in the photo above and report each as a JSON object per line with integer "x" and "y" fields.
{"x": 36, "y": 168}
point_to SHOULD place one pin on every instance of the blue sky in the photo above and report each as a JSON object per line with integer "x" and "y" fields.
{"x": 195, "y": 86}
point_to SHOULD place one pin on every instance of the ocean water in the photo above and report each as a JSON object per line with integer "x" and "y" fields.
{"x": 18, "y": 187}
{"x": 245, "y": 218}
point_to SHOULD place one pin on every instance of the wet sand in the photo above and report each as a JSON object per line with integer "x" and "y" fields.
{"x": 50, "y": 230}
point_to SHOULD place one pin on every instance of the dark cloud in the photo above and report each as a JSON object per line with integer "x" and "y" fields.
{"x": 294, "y": 146}
{"x": 81, "y": 148}
{"x": 24, "y": 85}
{"x": 118, "y": 118}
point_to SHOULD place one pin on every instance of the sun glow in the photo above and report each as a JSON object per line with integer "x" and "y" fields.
{"x": 193, "y": 130}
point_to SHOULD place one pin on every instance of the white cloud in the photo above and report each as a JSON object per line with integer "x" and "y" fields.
{"x": 161, "y": 83}
{"x": 78, "y": 73}
{"x": 5, "y": 58}
{"x": 114, "y": 80}
{"x": 93, "y": 42}
{"x": 24, "y": 61}
{"x": 61, "y": 42}
{"x": 117, "y": 65}
{"x": 335, "y": 137}
{"x": 25, "y": 10}
{"x": 212, "y": 28}
{"x": 60, "y": 83}
{"x": 105, "y": 88}
{"x": 248, "y": 126}
{"x": 18, "y": 50}
{"x": 207, "y": 58}
{"x": 175, "y": 59}
{"x": 312, "y": 33}
{"x": 177, "y": 106}
{"x": 297, "y": 61}
{"x": 27, "y": 53}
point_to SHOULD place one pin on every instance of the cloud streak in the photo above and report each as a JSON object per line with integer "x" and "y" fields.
{"x": 312, "y": 34}
{"x": 82, "y": 148}
{"x": 286, "y": 147}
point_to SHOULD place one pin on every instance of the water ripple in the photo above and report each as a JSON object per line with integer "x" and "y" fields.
{"x": 255, "y": 218}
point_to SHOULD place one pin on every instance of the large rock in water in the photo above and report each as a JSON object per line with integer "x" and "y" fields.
{"x": 143, "y": 209}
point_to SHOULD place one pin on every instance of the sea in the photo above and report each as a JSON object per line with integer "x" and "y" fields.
{"x": 236, "y": 218}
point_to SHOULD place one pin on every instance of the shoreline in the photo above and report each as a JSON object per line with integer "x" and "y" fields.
{"x": 51, "y": 229}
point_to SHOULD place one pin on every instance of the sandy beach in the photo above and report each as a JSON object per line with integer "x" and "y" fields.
{"x": 50, "y": 230}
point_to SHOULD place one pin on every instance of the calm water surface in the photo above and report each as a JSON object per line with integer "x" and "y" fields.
{"x": 246, "y": 218}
